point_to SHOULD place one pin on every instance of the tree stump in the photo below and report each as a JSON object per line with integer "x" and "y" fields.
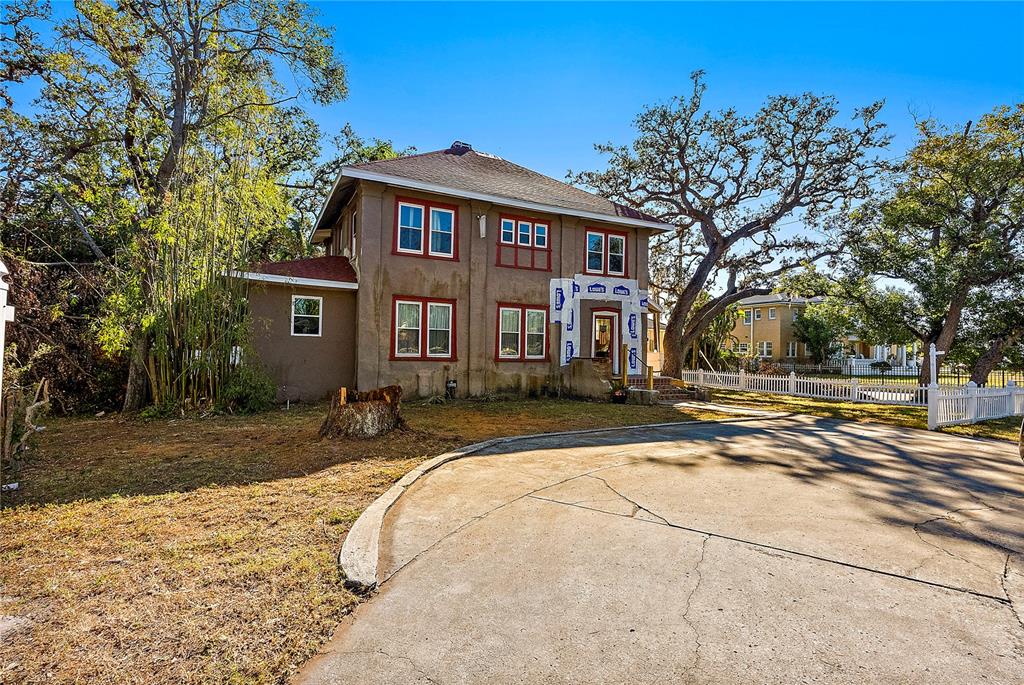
{"x": 364, "y": 414}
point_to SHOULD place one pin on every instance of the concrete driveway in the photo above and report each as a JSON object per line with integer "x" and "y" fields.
{"x": 786, "y": 550}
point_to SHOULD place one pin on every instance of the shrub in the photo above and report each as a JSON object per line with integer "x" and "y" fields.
{"x": 249, "y": 390}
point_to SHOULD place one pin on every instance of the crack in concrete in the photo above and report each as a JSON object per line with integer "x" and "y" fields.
{"x": 637, "y": 507}
{"x": 480, "y": 517}
{"x": 689, "y": 598}
{"x": 792, "y": 552}
{"x": 948, "y": 516}
{"x": 1009, "y": 600}
{"x": 398, "y": 657}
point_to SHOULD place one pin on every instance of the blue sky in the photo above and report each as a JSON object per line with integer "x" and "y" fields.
{"x": 539, "y": 84}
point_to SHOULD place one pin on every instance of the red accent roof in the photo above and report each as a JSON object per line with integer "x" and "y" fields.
{"x": 334, "y": 268}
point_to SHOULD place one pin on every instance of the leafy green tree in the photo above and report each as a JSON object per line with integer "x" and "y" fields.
{"x": 730, "y": 183}
{"x": 991, "y": 330}
{"x": 136, "y": 95}
{"x": 312, "y": 184}
{"x": 820, "y": 327}
{"x": 952, "y": 229}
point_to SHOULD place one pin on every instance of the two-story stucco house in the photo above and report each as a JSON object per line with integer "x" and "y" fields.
{"x": 454, "y": 266}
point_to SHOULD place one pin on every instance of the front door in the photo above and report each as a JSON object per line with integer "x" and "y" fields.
{"x": 606, "y": 338}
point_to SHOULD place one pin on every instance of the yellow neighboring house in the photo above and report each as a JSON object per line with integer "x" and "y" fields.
{"x": 765, "y": 330}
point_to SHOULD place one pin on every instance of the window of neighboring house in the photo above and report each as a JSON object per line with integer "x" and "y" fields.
{"x": 757, "y": 314}
{"x": 764, "y": 348}
{"x": 522, "y": 332}
{"x": 606, "y": 253}
{"x": 791, "y": 348}
{"x": 523, "y": 244}
{"x": 771, "y": 313}
{"x": 796, "y": 314}
{"x": 427, "y": 229}
{"x": 353, "y": 234}
{"x": 743, "y": 348}
{"x": 807, "y": 350}
{"x": 423, "y": 328}
{"x": 747, "y": 314}
{"x": 307, "y": 313}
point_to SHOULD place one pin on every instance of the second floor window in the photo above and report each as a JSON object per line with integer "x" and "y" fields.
{"x": 426, "y": 229}
{"x": 771, "y": 313}
{"x": 757, "y": 314}
{"x": 606, "y": 253}
{"x": 354, "y": 234}
{"x": 524, "y": 243}
{"x": 747, "y": 317}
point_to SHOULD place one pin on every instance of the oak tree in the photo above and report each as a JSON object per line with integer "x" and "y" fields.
{"x": 731, "y": 183}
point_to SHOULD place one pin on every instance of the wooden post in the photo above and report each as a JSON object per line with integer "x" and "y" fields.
{"x": 650, "y": 378}
{"x": 343, "y": 396}
{"x": 624, "y": 363}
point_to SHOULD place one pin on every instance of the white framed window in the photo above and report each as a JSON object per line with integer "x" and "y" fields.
{"x": 757, "y": 314}
{"x": 522, "y": 333}
{"x": 540, "y": 235}
{"x": 509, "y": 332}
{"x": 617, "y": 254}
{"x": 791, "y": 348}
{"x": 353, "y": 234}
{"x": 595, "y": 252}
{"x": 423, "y": 328}
{"x": 796, "y": 314}
{"x": 307, "y": 315}
{"x": 743, "y": 348}
{"x": 508, "y": 231}
{"x": 524, "y": 231}
{"x": 407, "y": 328}
{"x": 442, "y": 231}
{"x": 771, "y": 313}
{"x": 747, "y": 317}
{"x": 536, "y": 333}
{"x": 439, "y": 329}
{"x": 764, "y": 348}
{"x": 410, "y": 228}
{"x": 807, "y": 350}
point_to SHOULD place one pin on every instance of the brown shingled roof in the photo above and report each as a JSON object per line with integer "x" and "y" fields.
{"x": 462, "y": 168}
{"x": 333, "y": 268}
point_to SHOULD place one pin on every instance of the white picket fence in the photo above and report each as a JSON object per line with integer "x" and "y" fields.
{"x": 970, "y": 404}
{"x": 947, "y": 406}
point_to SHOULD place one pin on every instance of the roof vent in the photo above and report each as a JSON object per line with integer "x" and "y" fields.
{"x": 459, "y": 148}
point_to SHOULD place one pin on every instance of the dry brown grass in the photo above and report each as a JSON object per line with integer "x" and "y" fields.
{"x": 203, "y": 550}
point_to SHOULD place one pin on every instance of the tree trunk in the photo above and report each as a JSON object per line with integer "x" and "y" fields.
{"x": 135, "y": 394}
{"x": 942, "y": 337}
{"x": 672, "y": 363}
{"x": 989, "y": 358}
{"x": 364, "y": 414}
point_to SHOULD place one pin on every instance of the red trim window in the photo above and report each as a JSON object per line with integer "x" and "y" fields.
{"x": 426, "y": 229}
{"x": 606, "y": 253}
{"x": 422, "y": 329}
{"x": 524, "y": 243}
{"x": 522, "y": 333}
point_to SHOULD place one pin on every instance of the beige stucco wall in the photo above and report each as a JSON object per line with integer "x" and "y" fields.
{"x": 304, "y": 368}
{"x": 475, "y": 281}
{"x": 779, "y": 331}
